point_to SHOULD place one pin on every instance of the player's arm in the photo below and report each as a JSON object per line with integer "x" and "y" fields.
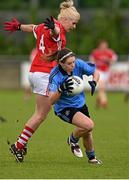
{"x": 114, "y": 58}
{"x": 50, "y": 24}
{"x": 91, "y": 58}
{"x": 94, "y": 81}
{"x": 64, "y": 86}
{"x": 54, "y": 96}
{"x": 15, "y": 25}
{"x": 96, "y": 76}
{"x": 27, "y": 27}
{"x": 90, "y": 69}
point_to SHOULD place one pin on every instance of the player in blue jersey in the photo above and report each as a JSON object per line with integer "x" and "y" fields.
{"x": 73, "y": 109}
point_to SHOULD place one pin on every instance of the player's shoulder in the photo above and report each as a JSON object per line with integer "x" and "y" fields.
{"x": 54, "y": 72}
{"x": 38, "y": 28}
{"x": 79, "y": 61}
{"x": 82, "y": 63}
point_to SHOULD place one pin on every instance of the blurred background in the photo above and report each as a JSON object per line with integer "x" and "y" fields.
{"x": 99, "y": 20}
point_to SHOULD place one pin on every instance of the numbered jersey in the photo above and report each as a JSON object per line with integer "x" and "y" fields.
{"x": 46, "y": 45}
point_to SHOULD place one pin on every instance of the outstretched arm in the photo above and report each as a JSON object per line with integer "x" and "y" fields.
{"x": 15, "y": 25}
{"x": 27, "y": 28}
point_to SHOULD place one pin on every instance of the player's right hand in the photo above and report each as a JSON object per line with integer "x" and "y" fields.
{"x": 66, "y": 86}
{"x": 13, "y": 25}
{"x": 49, "y": 23}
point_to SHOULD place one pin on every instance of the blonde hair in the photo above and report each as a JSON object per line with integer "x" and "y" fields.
{"x": 68, "y": 10}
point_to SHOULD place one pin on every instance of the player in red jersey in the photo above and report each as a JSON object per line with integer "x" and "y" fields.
{"x": 50, "y": 36}
{"x": 103, "y": 57}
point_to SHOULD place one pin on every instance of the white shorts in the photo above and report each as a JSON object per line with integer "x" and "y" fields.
{"x": 104, "y": 76}
{"x": 39, "y": 82}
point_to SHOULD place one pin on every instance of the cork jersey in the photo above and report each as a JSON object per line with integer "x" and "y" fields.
{"x": 46, "y": 45}
{"x": 103, "y": 59}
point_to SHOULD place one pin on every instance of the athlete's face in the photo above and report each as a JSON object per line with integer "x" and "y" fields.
{"x": 69, "y": 24}
{"x": 103, "y": 45}
{"x": 69, "y": 64}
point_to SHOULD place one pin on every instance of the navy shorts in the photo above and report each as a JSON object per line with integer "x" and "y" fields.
{"x": 67, "y": 113}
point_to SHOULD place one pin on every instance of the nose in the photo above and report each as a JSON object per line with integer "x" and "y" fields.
{"x": 73, "y": 65}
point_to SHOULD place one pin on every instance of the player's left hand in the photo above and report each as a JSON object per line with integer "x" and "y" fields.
{"x": 49, "y": 23}
{"x": 93, "y": 85}
{"x": 66, "y": 85}
{"x": 13, "y": 25}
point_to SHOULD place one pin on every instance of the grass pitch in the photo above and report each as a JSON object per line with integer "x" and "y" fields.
{"x": 49, "y": 156}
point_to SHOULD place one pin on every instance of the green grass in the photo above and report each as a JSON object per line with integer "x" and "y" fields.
{"x": 49, "y": 156}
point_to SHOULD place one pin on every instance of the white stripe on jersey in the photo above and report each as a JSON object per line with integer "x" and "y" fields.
{"x": 35, "y": 35}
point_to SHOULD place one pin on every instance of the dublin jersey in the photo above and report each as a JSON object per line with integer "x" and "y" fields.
{"x": 57, "y": 77}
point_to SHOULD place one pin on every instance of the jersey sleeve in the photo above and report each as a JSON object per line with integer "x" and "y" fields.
{"x": 39, "y": 29}
{"x": 47, "y": 32}
{"x": 36, "y": 30}
{"x": 87, "y": 67}
{"x": 53, "y": 84}
{"x": 113, "y": 55}
{"x": 52, "y": 87}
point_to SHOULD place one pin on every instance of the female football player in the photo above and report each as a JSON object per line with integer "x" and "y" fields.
{"x": 72, "y": 108}
{"x": 103, "y": 57}
{"x": 50, "y": 36}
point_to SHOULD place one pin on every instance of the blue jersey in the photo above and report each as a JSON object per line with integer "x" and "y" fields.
{"x": 57, "y": 77}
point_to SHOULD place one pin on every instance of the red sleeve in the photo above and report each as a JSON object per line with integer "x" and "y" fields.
{"x": 39, "y": 29}
{"x": 112, "y": 55}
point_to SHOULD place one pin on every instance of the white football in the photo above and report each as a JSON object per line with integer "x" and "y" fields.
{"x": 78, "y": 85}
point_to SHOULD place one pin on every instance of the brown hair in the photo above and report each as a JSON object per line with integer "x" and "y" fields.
{"x": 68, "y": 10}
{"x": 61, "y": 55}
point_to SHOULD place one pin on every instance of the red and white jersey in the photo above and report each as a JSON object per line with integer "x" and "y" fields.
{"x": 103, "y": 59}
{"x": 46, "y": 45}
